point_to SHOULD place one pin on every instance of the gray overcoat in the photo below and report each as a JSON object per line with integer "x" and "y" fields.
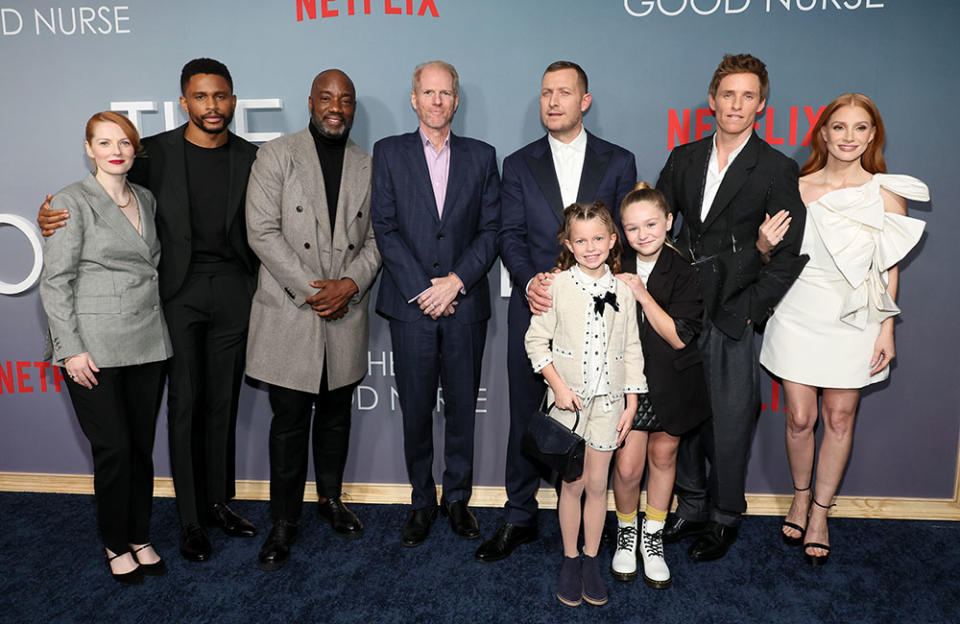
{"x": 288, "y": 227}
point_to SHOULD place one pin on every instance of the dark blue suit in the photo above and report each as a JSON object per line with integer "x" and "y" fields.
{"x": 531, "y": 216}
{"x": 416, "y": 245}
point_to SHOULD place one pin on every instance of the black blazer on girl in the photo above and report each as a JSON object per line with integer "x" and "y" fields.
{"x": 678, "y": 388}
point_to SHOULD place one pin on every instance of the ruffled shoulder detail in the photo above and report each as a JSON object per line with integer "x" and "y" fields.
{"x": 904, "y": 186}
{"x": 864, "y": 241}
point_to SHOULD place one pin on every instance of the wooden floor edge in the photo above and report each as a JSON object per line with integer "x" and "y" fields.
{"x": 493, "y": 496}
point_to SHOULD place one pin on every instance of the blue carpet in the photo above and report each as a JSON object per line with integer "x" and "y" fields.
{"x": 51, "y": 570}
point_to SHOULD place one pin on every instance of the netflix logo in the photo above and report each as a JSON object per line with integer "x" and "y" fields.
{"x": 686, "y": 125}
{"x": 27, "y": 377}
{"x": 336, "y": 8}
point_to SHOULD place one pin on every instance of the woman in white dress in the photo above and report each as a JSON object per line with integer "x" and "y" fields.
{"x": 833, "y": 331}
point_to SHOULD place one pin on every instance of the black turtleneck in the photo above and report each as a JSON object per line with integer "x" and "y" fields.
{"x": 330, "y": 151}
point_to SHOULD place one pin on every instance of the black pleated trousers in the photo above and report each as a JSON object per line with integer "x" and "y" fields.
{"x": 733, "y": 384}
{"x": 289, "y": 444}
{"x": 208, "y": 321}
{"x": 119, "y": 418}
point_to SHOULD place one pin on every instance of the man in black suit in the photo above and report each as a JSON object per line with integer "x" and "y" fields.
{"x": 724, "y": 186}
{"x": 198, "y": 173}
{"x": 567, "y": 165}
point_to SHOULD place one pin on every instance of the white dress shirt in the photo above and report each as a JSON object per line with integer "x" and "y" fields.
{"x": 715, "y": 175}
{"x": 568, "y": 163}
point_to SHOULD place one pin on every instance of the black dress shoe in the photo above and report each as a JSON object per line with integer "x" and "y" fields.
{"x": 417, "y": 527}
{"x": 713, "y": 543}
{"x": 345, "y": 523}
{"x": 462, "y": 521}
{"x": 507, "y": 537}
{"x": 232, "y": 524}
{"x": 677, "y": 528}
{"x": 194, "y": 543}
{"x": 275, "y": 552}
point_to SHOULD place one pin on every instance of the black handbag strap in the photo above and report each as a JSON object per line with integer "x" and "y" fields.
{"x": 546, "y": 410}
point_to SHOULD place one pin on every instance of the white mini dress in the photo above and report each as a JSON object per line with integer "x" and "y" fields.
{"x": 822, "y": 333}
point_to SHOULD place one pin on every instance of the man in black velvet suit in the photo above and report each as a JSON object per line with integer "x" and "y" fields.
{"x": 723, "y": 186}
{"x": 566, "y": 166}
{"x": 198, "y": 173}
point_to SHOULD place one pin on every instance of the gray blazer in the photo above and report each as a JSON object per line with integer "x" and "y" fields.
{"x": 288, "y": 227}
{"x": 99, "y": 281}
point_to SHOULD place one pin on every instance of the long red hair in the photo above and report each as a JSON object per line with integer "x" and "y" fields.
{"x": 872, "y": 158}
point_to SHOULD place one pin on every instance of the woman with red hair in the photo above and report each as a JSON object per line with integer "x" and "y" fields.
{"x": 100, "y": 292}
{"x": 832, "y": 334}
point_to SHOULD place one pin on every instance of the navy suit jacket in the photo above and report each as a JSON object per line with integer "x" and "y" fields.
{"x": 415, "y": 243}
{"x": 532, "y": 209}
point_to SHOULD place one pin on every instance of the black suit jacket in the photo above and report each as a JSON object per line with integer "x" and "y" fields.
{"x": 678, "y": 388}
{"x": 162, "y": 169}
{"x": 738, "y": 289}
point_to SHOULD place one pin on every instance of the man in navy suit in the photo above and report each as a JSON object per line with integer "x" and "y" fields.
{"x": 435, "y": 207}
{"x": 566, "y": 166}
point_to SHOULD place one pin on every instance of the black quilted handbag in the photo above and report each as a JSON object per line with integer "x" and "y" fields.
{"x": 645, "y": 418}
{"x": 547, "y": 441}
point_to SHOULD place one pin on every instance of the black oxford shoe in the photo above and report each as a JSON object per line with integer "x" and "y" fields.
{"x": 194, "y": 543}
{"x": 713, "y": 543}
{"x": 232, "y": 524}
{"x": 507, "y": 537}
{"x": 462, "y": 521}
{"x": 345, "y": 523}
{"x": 275, "y": 552}
{"x": 677, "y": 528}
{"x": 417, "y": 527}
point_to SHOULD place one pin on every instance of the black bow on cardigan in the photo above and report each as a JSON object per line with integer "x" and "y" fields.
{"x": 598, "y": 301}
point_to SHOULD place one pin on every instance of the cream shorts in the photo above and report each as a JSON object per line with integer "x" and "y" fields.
{"x": 597, "y": 427}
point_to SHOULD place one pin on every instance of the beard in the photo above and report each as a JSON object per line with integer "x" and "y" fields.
{"x": 326, "y": 132}
{"x": 200, "y": 123}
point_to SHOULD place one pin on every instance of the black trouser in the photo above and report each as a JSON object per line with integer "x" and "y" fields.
{"x": 289, "y": 444}
{"x": 733, "y": 383}
{"x": 208, "y": 321}
{"x": 119, "y": 418}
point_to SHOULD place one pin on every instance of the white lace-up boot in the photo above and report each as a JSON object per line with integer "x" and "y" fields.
{"x": 624, "y": 564}
{"x": 655, "y": 571}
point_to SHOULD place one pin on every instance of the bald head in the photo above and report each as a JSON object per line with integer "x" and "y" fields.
{"x": 332, "y": 102}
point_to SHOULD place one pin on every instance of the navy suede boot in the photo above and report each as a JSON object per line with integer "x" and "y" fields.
{"x": 570, "y": 587}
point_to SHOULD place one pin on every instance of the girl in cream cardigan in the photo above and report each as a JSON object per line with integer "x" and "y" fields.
{"x": 588, "y": 349}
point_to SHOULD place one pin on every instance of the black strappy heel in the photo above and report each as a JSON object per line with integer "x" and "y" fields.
{"x": 794, "y": 541}
{"x": 133, "y": 577}
{"x": 157, "y": 568}
{"x": 817, "y": 560}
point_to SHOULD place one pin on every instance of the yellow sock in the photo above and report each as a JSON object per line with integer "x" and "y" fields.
{"x": 654, "y": 515}
{"x": 630, "y": 517}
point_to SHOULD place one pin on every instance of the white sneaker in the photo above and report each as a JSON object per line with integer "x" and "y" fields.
{"x": 655, "y": 571}
{"x": 624, "y": 564}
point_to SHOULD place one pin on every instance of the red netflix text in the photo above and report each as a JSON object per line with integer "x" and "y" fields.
{"x": 335, "y": 8}
{"x": 27, "y": 377}
{"x": 679, "y": 125}
{"x": 775, "y": 404}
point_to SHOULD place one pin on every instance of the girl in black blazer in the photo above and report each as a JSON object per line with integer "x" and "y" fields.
{"x": 667, "y": 291}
